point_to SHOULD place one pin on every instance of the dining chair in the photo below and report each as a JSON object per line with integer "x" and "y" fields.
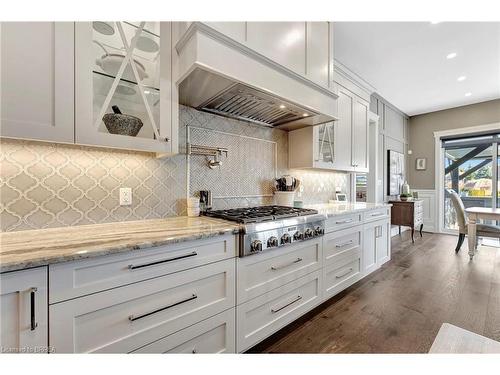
{"x": 482, "y": 230}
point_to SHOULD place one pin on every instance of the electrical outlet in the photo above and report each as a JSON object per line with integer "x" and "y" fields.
{"x": 125, "y": 196}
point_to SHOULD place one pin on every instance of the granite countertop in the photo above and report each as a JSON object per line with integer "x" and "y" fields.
{"x": 32, "y": 248}
{"x": 336, "y": 209}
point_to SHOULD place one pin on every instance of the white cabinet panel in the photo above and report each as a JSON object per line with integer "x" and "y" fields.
{"x": 343, "y": 131}
{"x": 234, "y": 30}
{"x": 337, "y": 244}
{"x": 282, "y": 42}
{"x": 394, "y": 123}
{"x": 360, "y": 135}
{"x": 264, "y": 315}
{"x": 143, "y": 90}
{"x": 339, "y": 276}
{"x": 37, "y": 93}
{"x": 377, "y": 246}
{"x": 318, "y": 53}
{"x": 23, "y": 305}
{"x": 75, "y": 279}
{"x": 213, "y": 335}
{"x": 127, "y": 318}
{"x": 272, "y": 269}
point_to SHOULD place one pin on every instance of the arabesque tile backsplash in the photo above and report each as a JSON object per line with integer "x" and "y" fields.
{"x": 51, "y": 185}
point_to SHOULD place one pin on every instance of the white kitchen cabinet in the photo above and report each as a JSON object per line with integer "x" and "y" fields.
{"x": 376, "y": 248}
{"x": 259, "y": 274}
{"x": 360, "y": 135}
{"x": 262, "y": 316}
{"x": 23, "y": 304}
{"x": 213, "y": 335}
{"x": 37, "y": 94}
{"x": 124, "y": 319}
{"x": 105, "y": 77}
{"x": 341, "y": 145}
{"x": 75, "y": 279}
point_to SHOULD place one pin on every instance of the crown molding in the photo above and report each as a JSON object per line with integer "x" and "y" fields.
{"x": 344, "y": 72}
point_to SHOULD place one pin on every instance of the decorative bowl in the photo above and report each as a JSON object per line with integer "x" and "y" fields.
{"x": 118, "y": 123}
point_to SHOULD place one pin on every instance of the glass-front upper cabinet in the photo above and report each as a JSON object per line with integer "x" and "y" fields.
{"x": 124, "y": 87}
{"x": 325, "y": 143}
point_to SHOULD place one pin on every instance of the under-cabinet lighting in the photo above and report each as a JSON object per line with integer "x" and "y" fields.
{"x": 468, "y": 94}
{"x": 305, "y": 114}
{"x": 461, "y": 78}
{"x": 282, "y": 106}
{"x": 451, "y": 55}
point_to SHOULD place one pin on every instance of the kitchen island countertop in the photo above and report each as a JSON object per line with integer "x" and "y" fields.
{"x": 33, "y": 248}
{"x": 343, "y": 208}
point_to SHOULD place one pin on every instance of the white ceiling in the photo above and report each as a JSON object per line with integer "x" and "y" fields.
{"x": 406, "y": 61}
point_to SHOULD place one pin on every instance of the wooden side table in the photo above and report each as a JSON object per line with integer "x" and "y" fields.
{"x": 408, "y": 214}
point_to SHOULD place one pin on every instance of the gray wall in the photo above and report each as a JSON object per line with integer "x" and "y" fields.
{"x": 422, "y": 128}
{"x": 393, "y": 134}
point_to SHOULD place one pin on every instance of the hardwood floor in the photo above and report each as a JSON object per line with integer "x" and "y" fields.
{"x": 400, "y": 308}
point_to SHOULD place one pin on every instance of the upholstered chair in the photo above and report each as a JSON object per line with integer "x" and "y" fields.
{"x": 482, "y": 230}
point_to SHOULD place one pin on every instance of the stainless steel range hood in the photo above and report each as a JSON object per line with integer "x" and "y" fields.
{"x": 209, "y": 92}
{"x": 218, "y": 75}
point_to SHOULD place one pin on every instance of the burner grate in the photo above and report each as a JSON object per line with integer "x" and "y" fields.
{"x": 260, "y": 214}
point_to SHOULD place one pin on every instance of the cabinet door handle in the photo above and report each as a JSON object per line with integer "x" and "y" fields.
{"x": 275, "y": 268}
{"x": 132, "y": 267}
{"x": 344, "y": 274}
{"x": 343, "y": 221}
{"x": 377, "y": 214}
{"x": 344, "y": 244}
{"x": 288, "y": 304}
{"x": 33, "y": 324}
{"x": 133, "y": 318}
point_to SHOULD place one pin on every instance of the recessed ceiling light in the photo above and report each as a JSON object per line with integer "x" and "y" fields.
{"x": 451, "y": 55}
{"x": 435, "y": 22}
{"x": 282, "y": 106}
{"x": 461, "y": 78}
{"x": 468, "y": 94}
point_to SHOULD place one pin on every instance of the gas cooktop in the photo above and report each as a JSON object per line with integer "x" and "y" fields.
{"x": 259, "y": 214}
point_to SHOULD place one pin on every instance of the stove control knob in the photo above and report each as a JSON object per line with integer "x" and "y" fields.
{"x": 272, "y": 242}
{"x": 308, "y": 233}
{"x": 297, "y": 236}
{"x": 255, "y": 246}
{"x": 286, "y": 238}
{"x": 318, "y": 231}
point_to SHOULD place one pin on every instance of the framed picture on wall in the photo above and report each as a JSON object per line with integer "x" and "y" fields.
{"x": 421, "y": 164}
{"x": 396, "y": 171}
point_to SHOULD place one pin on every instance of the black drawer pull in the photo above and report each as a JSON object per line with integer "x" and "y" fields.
{"x": 132, "y": 267}
{"x": 133, "y": 318}
{"x": 288, "y": 304}
{"x": 34, "y": 324}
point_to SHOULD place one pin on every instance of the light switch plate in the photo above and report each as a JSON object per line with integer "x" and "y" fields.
{"x": 125, "y": 196}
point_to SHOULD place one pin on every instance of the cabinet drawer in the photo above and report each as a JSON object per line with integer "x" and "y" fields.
{"x": 379, "y": 213}
{"x": 336, "y": 244}
{"x": 342, "y": 222}
{"x": 258, "y": 274}
{"x": 124, "y": 319}
{"x": 213, "y": 335}
{"x": 337, "y": 277}
{"x": 264, "y": 315}
{"x": 75, "y": 279}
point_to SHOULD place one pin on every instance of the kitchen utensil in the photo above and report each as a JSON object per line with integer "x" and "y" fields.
{"x": 119, "y": 123}
{"x": 205, "y": 200}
